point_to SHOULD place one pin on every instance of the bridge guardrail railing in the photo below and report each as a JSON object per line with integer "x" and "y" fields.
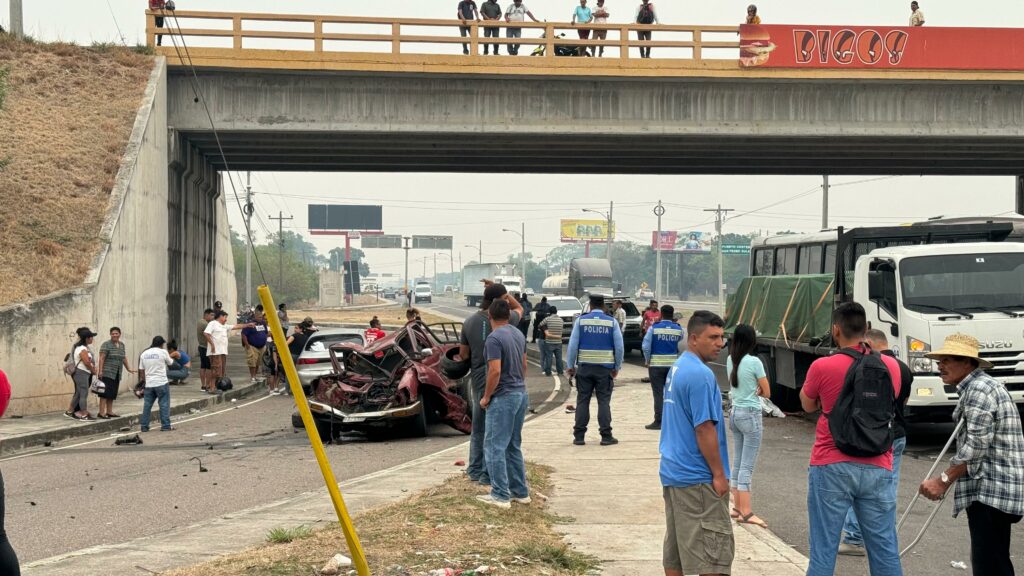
{"x": 321, "y": 34}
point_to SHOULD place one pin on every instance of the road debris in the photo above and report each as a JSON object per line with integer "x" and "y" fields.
{"x": 201, "y": 467}
{"x": 959, "y": 565}
{"x": 335, "y": 564}
{"x": 128, "y": 440}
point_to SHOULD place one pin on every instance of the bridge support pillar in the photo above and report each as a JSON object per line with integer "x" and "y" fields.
{"x": 1019, "y": 196}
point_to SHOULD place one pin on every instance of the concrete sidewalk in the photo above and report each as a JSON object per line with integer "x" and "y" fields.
{"x": 613, "y": 493}
{"x": 27, "y": 432}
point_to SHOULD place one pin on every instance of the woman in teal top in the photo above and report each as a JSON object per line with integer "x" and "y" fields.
{"x": 749, "y": 383}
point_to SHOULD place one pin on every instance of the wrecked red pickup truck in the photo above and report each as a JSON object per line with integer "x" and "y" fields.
{"x": 407, "y": 379}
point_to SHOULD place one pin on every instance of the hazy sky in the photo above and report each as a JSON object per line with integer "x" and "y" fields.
{"x": 476, "y": 207}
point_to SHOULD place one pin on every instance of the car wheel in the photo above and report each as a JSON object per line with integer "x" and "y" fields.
{"x": 418, "y": 423}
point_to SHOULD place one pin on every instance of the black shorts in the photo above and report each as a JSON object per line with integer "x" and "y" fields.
{"x": 204, "y": 360}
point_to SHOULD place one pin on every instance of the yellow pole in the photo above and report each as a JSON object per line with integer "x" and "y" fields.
{"x": 354, "y": 547}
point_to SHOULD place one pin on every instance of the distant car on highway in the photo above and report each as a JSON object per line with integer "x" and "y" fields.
{"x": 315, "y": 360}
{"x": 645, "y": 294}
{"x": 423, "y": 293}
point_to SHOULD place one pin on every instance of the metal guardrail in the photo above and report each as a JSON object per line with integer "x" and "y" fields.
{"x": 622, "y": 36}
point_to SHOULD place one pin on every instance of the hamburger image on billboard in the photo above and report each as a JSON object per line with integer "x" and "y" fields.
{"x": 755, "y": 45}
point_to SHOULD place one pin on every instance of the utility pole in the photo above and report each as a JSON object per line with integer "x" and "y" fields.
{"x": 719, "y": 220}
{"x": 522, "y": 258}
{"x": 659, "y": 211}
{"x": 611, "y": 222}
{"x": 480, "y": 252}
{"x": 406, "y": 238}
{"x": 824, "y": 202}
{"x": 435, "y": 272}
{"x": 17, "y": 19}
{"x": 248, "y": 244}
{"x": 280, "y": 247}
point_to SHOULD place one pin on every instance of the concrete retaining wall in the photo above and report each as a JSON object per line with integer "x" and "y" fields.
{"x": 127, "y": 285}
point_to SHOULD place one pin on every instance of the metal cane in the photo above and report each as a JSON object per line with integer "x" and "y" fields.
{"x": 917, "y": 495}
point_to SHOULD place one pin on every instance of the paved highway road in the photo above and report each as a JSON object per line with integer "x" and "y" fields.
{"x": 92, "y": 492}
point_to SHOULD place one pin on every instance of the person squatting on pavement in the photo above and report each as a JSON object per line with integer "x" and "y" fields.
{"x": 153, "y": 363}
{"x": 475, "y": 331}
{"x": 8, "y": 559}
{"x": 837, "y": 480}
{"x": 853, "y": 542}
{"x": 695, "y": 458}
{"x": 988, "y": 468}
{"x": 661, "y": 350}
{"x": 505, "y": 399}
{"x": 749, "y": 384}
{"x": 594, "y": 359}
{"x": 182, "y": 366}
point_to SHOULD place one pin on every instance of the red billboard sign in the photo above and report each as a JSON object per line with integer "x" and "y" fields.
{"x": 668, "y": 240}
{"x": 881, "y": 47}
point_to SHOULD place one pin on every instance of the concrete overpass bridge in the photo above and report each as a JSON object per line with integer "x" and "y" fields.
{"x": 387, "y": 100}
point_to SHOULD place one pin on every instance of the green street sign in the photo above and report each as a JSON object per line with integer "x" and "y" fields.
{"x": 740, "y": 249}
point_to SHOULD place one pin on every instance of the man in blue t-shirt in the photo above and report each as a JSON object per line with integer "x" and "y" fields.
{"x": 505, "y": 401}
{"x": 254, "y": 340}
{"x": 695, "y": 459}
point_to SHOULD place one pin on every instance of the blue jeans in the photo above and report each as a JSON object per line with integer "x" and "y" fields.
{"x": 177, "y": 372}
{"x": 747, "y": 428}
{"x": 162, "y": 395}
{"x": 831, "y": 491}
{"x": 477, "y": 468}
{"x": 851, "y": 530}
{"x": 547, "y": 350}
{"x": 503, "y": 445}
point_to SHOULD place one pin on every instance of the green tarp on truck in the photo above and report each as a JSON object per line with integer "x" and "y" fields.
{"x": 789, "y": 309}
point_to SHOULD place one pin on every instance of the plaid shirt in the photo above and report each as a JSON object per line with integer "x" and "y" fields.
{"x": 991, "y": 444}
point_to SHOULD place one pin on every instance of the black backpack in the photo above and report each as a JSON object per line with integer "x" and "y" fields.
{"x": 861, "y": 420}
{"x": 646, "y": 14}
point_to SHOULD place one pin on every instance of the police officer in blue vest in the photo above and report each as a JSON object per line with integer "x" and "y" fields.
{"x": 661, "y": 350}
{"x": 594, "y": 358}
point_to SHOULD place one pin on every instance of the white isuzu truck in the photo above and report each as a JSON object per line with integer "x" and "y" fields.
{"x": 918, "y": 284}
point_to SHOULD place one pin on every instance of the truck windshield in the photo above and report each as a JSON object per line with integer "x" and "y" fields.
{"x": 963, "y": 282}
{"x": 597, "y": 283}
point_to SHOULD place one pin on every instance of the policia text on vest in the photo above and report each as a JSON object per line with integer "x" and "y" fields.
{"x": 661, "y": 350}
{"x": 594, "y": 358}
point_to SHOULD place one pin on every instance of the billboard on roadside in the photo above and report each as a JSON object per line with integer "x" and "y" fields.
{"x": 342, "y": 217}
{"x": 668, "y": 240}
{"x": 574, "y": 231}
{"x": 694, "y": 243}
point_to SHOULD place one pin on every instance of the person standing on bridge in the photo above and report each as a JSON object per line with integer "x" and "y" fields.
{"x": 601, "y": 15}
{"x": 646, "y": 14}
{"x": 583, "y": 15}
{"x": 158, "y": 6}
{"x": 472, "y": 345}
{"x": 594, "y": 359}
{"x": 490, "y": 10}
{"x": 466, "y": 11}
{"x": 661, "y": 350}
{"x": 752, "y": 17}
{"x": 988, "y": 468}
{"x": 517, "y": 12}
{"x": 916, "y": 15}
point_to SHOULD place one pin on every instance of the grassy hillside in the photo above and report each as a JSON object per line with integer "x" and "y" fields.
{"x": 64, "y": 124}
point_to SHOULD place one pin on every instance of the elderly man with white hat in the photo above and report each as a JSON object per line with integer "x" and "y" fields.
{"x": 988, "y": 468}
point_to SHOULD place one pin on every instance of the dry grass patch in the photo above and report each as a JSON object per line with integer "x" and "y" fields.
{"x": 444, "y": 527}
{"x": 391, "y": 316}
{"x": 64, "y": 126}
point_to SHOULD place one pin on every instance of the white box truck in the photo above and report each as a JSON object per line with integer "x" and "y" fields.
{"x": 472, "y": 276}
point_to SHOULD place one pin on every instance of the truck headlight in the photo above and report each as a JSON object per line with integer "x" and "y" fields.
{"x": 919, "y": 364}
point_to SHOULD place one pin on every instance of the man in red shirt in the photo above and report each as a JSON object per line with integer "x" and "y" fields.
{"x": 652, "y": 315}
{"x": 837, "y": 481}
